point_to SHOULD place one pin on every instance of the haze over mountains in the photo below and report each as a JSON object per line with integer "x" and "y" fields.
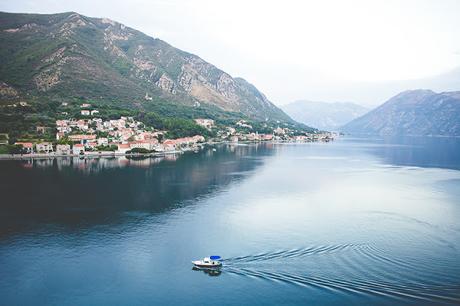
{"x": 369, "y": 94}
{"x": 59, "y": 56}
{"x": 323, "y": 115}
{"x": 414, "y": 113}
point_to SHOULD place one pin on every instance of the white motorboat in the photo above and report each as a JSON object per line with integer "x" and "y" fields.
{"x": 208, "y": 262}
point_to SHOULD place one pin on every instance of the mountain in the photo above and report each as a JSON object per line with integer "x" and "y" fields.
{"x": 322, "y": 115}
{"x": 412, "y": 112}
{"x": 68, "y": 55}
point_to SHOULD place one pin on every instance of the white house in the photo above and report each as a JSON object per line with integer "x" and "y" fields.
{"x": 90, "y": 145}
{"x": 85, "y": 112}
{"x": 169, "y": 145}
{"x": 144, "y": 144}
{"x": 63, "y": 149}
{"x": 207, "y": 123}
{"x": 279, "y": 131}
{"x": 102, "y": 141}
{"x": 147, "y": 97}
{"x": 159, "y": 148}
{"x": 45, "y": 147}
{"x": 243, "y": 123}
{"x": 78, "y": 148}
{"x": 123, "y": 148}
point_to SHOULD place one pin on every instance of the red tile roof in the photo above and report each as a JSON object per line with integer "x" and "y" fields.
{"x": 25, "y": 144}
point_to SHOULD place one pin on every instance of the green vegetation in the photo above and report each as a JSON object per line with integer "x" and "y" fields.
{"x": 107, "y": 148}
{"x": 93, "y": 73}
{"x": 12, "y": 149}
{"x": 65, "y": 140}
{"x": 20, "y": 122}
{"x": 138, "y": 151}
{"x": 78, "y": 65}
{"x": 4, "y": 138}
{"x": 175, "y": 127}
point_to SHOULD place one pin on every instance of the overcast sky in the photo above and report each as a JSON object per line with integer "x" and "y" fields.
{"x": 361, "y": 51}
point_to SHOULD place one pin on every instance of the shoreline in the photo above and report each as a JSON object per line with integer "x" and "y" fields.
{"x": 117, "y": 154}
{"x": 86, "y": 155}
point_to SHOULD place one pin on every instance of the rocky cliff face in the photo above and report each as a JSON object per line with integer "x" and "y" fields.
{"x": 322, "y": 115}
{"x": 73, "y": 55}
{"x": 413, "y": 112}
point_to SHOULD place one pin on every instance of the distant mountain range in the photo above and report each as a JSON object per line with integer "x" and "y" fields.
{"x": 413, "y": 112}
{"x": 68, "y": 55}
{"x": 322, "y": 115}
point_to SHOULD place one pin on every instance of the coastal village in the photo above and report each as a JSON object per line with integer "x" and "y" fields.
{"x": 127, "y": 136}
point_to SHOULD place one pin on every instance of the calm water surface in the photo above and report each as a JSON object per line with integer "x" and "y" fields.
{"x": 355, "y": 221}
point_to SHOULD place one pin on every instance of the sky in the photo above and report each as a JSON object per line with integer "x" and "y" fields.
{"x": 358, "y": 51}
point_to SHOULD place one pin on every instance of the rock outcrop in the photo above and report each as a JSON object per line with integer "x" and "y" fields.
{"x": 70, "y": 54}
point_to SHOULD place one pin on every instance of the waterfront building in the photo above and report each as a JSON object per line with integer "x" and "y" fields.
{"x": 44, "y": 147}
{"x": 27, "y": 146}
{"x": 63, "y": 149}
{"x": 78, "y": 148}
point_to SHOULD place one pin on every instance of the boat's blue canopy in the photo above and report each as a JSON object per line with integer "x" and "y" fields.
{"x": 214, "y": 257}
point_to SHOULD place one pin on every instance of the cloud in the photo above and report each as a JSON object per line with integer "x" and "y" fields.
{"x": 295, "y": 49}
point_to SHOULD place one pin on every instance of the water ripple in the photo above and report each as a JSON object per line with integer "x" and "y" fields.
{"x": 314, "y": 250}
{"x": 441, "y": 294}
{"x": 369, "y": 269}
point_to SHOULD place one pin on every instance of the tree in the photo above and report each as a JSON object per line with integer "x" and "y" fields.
{"x": 138, "y": 150}
{"x": 12, "y": 149}
{"x": 65, "y": 140}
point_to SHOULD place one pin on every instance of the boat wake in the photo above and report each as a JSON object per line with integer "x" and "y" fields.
{"x": 357, "y": 269}
{"x": 314, "y": 250}
{"x": 411, "y": 291}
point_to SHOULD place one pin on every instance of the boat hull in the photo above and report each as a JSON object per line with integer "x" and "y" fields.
{"x": 203, "y": 265}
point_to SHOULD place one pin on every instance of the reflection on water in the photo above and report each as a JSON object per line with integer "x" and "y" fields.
{"x": 95, "y": 164}
{"x": 368, "y": 222}
{"x": 209, "y": 271}
{"x": 86, "y": 191}
{"x": 442, "y": 152}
